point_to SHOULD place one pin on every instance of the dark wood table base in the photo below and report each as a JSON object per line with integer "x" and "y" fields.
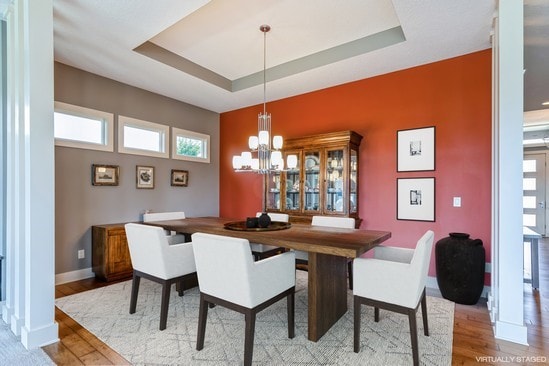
{"x": 327, "y": 292}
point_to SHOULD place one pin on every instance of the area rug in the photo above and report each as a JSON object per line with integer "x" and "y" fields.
{"x": 104, "y": 312}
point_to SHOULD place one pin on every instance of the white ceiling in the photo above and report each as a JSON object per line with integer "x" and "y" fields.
{"x": 313, "y": 44}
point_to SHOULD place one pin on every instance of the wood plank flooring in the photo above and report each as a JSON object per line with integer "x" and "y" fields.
{"x": 473, "y": 342}
{"x": 473, "y": 335}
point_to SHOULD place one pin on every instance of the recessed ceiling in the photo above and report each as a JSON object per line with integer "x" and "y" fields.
{"x": 320, "y": 39}
{"x": 306, "y": 48}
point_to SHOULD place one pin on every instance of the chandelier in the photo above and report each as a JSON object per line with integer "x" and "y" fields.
{"x": 268, "y": 157}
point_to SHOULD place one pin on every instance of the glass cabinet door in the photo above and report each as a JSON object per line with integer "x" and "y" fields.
{"x": 335, "y": 192}
{"x": 353, "y": 179}
{"x": 292, "y": 189}
{"x": 311, "y": 189}
{"x": 273, "y": 192}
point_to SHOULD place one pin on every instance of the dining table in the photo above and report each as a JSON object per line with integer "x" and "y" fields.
{"x": 329, "y": 249}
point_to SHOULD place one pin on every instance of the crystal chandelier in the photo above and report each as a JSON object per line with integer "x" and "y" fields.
{"x": 268, "y": 155}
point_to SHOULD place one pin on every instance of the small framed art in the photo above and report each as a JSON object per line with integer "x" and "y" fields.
{"x": 416, "y": 149}
{"x": 180, "y": 178}
{"x": 416, "y": 199}
{"x": 105, "y": 175}
{"x": 144, "y": 176}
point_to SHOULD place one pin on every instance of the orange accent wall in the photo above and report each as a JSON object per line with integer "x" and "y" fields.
{"x": 454, "y": 95}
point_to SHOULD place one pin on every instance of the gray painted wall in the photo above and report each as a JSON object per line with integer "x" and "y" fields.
{"x": 79, "y": 205}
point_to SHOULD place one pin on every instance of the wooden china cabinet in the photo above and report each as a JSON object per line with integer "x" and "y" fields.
{"x": 325, "y": 181}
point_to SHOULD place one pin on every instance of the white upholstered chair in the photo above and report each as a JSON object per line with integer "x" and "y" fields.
{"x": 394, "y": 280}
{"x": 154, "y": 259}
{"x": 228, "y": 276}
{"x": 261, "y": 251}
{"x": 173, "y": 237}
{"x": 329, "y": 221}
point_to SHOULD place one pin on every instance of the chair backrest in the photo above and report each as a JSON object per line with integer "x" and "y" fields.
{"x": 330, "y": 221}
{"x": 148, "y": 246}
{"x": 161, "y": 216}
{"x": 421, "y": 259}
{"x": 279, "y": 217}
{"x": 223, "y": 266}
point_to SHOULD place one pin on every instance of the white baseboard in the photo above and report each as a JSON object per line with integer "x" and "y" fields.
{"x": 516, "y": 333}
{"x": 73, "y": 276}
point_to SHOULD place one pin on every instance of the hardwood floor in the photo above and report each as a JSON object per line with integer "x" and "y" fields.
{"x": 473, "y": 342}
{"x": 76, "y": 345}
{"x": 473, "y": 335}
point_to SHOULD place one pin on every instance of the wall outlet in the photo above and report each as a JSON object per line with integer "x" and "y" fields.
{"x": 81, "y": 254}
{"x": 457, "y": 201}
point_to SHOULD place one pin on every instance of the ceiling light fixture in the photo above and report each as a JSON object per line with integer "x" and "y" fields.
{"x": 545, "y": 103}
{"x": 269, "y": 157}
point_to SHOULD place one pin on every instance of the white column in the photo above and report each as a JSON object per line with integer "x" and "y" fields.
{"x": 2, "y": 148}
{"x": 40, "y": 327}
{"x": 11, "y": 261}
{"x": 508, "y": 151}
{"x": 30, "y": 186}
{"x": 3, "y": 163}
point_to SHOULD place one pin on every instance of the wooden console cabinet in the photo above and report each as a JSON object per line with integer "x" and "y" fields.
{"x": 110, "y": 254}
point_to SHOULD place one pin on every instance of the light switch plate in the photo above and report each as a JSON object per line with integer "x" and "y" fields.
{"x": 457, "y": 201}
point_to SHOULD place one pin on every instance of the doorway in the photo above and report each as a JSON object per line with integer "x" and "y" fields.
{"x": 534, "y": 190}
{"x": 534, "y": 203}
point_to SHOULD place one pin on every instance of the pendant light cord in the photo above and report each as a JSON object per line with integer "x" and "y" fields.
{"x": 265, "y": 28}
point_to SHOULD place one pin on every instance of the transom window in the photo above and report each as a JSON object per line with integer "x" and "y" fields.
{"x": 83, "y": 128}
{"x": 189, "y": 145}
{"x": 142, "y": 138}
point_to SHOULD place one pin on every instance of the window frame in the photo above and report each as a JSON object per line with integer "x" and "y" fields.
{"x": 164, "y": 130}
{"x": 83, "y": 112}
{"x": 176, "y": 132}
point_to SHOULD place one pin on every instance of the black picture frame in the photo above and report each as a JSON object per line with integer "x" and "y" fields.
{"x": 416, "y": 199}
{"x": 416, "y": 149}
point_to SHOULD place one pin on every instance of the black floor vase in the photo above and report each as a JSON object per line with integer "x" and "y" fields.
{"x": 460, "y": 264}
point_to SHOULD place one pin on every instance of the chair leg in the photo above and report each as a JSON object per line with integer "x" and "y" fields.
{"x": 135, "y": 291}
{"x": 179, "y": 287}
{"x": 249, "y": 337}
{"x": 413, "y": 335}
{"x": 164, "y": 304}
{"x": 357, "y": 324}
{"x": 350, "y": 273}
{"x": 290, "y": 300}
{"x": 376, "y": 314}
{"x": 424, "y": 314}
{"x": 202, "y": 317}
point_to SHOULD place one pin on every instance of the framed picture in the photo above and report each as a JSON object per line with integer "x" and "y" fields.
{"x": 416, "y": 199}
{"x": 144, "y": 176}
{"x": 105, "y": 175}
{"x": 180, "y": 178}
{"x": 416, "y": 149}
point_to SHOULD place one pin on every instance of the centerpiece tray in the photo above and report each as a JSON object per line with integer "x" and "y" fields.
{"x": 241, "y": 226}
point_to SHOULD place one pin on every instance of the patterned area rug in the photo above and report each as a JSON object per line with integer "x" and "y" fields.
{"x": 104, "y": 312}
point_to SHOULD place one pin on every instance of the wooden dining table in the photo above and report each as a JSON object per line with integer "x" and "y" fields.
{"x": 328, "y": 250}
